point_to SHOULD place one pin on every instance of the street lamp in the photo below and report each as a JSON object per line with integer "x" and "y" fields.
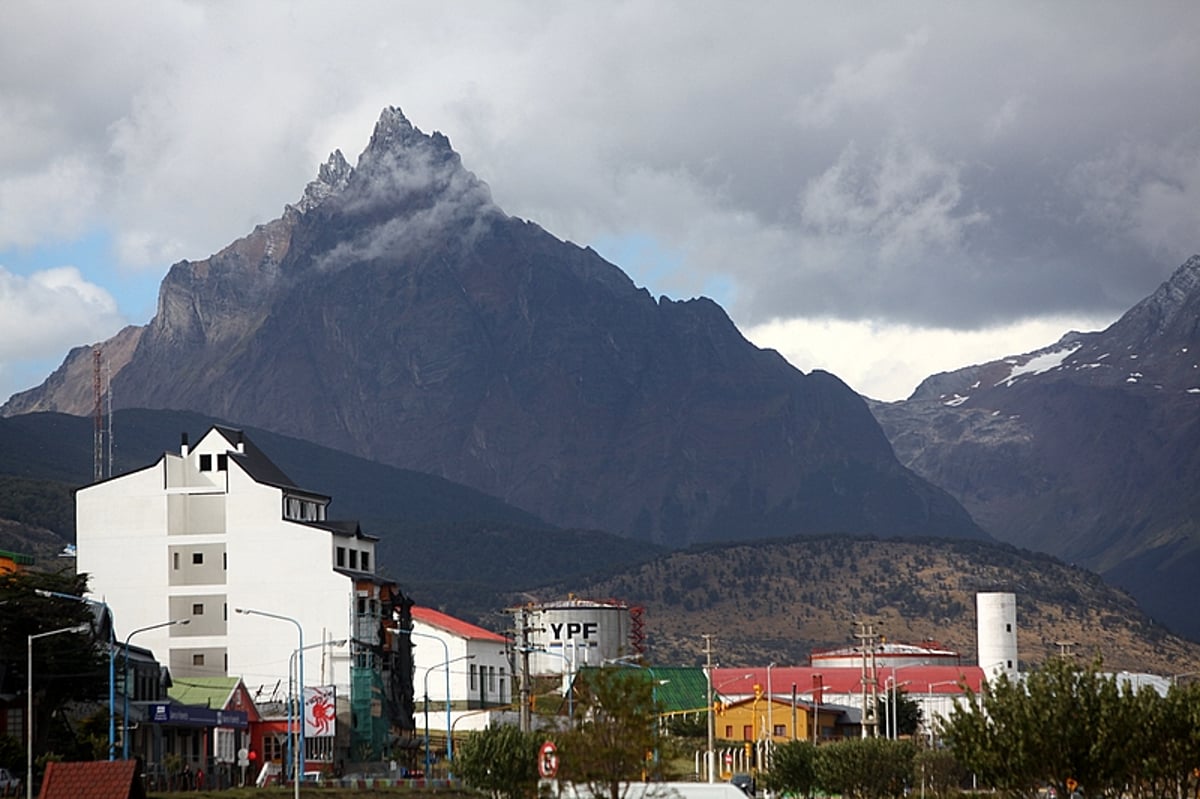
{"x": 927, "y": 709}
{"x": 628, "y": 661}
{"x": 125, "y": 713}
{"x": 895, "y": 689}
{"x": 79, "y": 628}
{"x": 770, "y": 715}
{"x": 295, "y": 765}
{"x": 568, "y": 682}
{"x": 112, "y": 652}
{"x": 297, "y": 773}
{"x": 446, "y": 662}
{"x": 449, "y": 726}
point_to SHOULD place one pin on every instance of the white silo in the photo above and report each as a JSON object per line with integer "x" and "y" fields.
{"x": 996, "y": 633}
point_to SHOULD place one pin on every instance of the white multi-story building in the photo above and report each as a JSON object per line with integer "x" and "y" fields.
{"x": 217, "y": 528}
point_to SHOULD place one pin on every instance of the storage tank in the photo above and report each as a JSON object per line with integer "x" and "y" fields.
{"x": 996, "y": 633}
{"x": 568, "y": 635}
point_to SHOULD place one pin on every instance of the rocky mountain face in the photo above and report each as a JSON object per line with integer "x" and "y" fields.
{"x": 1088, "y": 449}
{"x": 396, "y": 313}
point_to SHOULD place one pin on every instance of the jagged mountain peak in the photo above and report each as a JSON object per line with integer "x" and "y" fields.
{"x": 1171, "y": 309}
{"x": 332, "y": 177}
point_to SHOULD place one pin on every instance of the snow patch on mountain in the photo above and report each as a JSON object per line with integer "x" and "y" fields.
{"x": 1038, "y": 364}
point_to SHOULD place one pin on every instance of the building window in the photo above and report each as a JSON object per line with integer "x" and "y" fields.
{"x": 728, "y": 732}
{"x": 362, "y": 606}
{"x": 366, "y": 561}
{"x": 206, "y": 463}
{"x": 341, "y": 557}
{"x": 747, "y": 732}
{"x": 14, "y": 720}
{"x": 781, "y": 730}
{"x": 197, "y": 558}
{"x": 225, "y": 561}
{"x": 198, "y": 609}
{"x": 222, "y": 463}
{"x": 472, "y": 676}
{"x": 175, "y": 561}
{"x": 354, "y": 559}
{"x": 492, "y": 678}
{"x": 198, "y": 659}
{"x": 501, "y": 694}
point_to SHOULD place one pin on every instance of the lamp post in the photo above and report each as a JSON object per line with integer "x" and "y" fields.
{"x": 568, "y": 682}
{"x": 79, "y": 628}
{"x": 125, "y": 712}
{"x": 927, "y": 710}
{"x": 299, "y": 748}
{"x": 300, "y": 706}
{"x": 894, "y": 688}
{"x": 770, "y": 716}
{"x": 112, "y": 697}
{"x": 446, "y": 663}
{"x": 628, "y": 661}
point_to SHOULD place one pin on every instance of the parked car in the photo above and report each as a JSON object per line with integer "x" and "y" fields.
{"x": 10, "y": 784}
{"x": 743, "y": 781}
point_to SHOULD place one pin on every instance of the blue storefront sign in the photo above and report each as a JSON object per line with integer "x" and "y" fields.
{"x": 187, "y": 716}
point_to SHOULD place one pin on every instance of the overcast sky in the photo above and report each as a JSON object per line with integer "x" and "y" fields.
{"x": 883, "y": 190}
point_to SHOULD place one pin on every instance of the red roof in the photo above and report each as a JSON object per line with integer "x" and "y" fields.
{"x": 98, "y": 779}
{"x": 462, "y": 629}
{"x": 912, "y": 679}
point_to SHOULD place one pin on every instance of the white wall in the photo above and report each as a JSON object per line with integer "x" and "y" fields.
{"x": 129, "y": 526}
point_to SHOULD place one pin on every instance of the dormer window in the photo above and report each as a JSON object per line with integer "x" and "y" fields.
{"x": 222, "y": 463}
{"x": 206, "y": 463}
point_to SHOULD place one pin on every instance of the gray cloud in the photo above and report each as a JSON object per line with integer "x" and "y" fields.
{"x": 958, "y": 166}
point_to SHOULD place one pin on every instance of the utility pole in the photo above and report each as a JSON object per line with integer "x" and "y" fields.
{"x": 521, "y": 621}
{"x": 710, "y": 756}
{"x": 523, "y": 649}
{"x": 870, "y": 688}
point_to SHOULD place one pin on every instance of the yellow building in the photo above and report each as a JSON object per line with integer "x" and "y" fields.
{"x": 757, "y": 719}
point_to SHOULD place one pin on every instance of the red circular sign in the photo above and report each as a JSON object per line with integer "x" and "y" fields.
{"x": 548, "y": 760}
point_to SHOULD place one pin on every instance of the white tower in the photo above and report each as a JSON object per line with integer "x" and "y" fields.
{"x": 996, "y": 633}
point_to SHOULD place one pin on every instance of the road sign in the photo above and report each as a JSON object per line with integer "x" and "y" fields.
{"x": 243, "y": 757}
{"x": 548, "y": 760}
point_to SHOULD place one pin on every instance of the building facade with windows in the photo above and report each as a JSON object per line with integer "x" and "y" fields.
{"x": 480, "y": 671}
{"x": 217, "y": 527}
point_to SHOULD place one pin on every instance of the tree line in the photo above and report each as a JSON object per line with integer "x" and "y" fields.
{"x": 1063, "y": 727}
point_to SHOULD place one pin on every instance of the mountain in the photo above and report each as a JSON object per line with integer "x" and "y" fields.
{"x": 397, "y": 314}
{"x": 1088, "y": 449}
{"x": 776, "y": 601}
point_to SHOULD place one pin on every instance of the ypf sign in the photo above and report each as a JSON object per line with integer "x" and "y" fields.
{"x": 548, "y": 760}
{"x": 570, "y": 630}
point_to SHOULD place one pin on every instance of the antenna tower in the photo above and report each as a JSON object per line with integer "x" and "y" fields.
{"x": 101, "y": 416}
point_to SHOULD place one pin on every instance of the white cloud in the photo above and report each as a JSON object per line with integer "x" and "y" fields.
{"x": 886, "y": 362}
{"x": 57, "y": 202}
{"x": 51, "y": 309}
{"x": 47, "y": 313}
{"x": 871, "y": 79}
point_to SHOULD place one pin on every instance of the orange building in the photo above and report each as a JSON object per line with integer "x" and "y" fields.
{"x": 12, "y": 562}
{"x": 757, "y": 719}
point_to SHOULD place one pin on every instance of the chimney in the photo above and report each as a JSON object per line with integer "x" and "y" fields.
{"x": 241, "y": 442}
{"x": 183, "y": 444}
